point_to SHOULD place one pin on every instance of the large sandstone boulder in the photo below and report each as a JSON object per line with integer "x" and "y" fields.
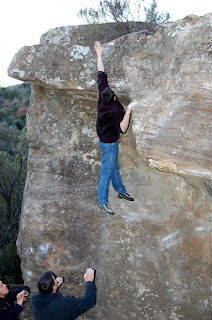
{"x": 153, "y": 257}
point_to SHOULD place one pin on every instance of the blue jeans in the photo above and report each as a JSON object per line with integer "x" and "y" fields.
{"x": 109, "y": 171}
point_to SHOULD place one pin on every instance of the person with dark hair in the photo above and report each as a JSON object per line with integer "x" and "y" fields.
{"x": 50, "y": 304}
{"x": 46, "y": 282}
{"x": 11, "y": 301}
{"x": 111, "y": 121}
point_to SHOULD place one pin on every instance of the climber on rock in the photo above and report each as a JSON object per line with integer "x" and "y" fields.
{"x": 49, "y": 304}
{"x": 111, "y": 121}
{"x": 11, "y": 301}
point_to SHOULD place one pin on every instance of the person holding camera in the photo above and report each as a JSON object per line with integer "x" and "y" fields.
{"x": 111, "y": 121}
{"x": 49, "y": 304}
{"x": 11, "y": 301}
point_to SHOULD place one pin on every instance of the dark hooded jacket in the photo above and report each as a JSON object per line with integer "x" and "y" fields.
{"x": 109, "y": 115}
{"x": 8, "y": 309}
{"x": 56, "y": 307}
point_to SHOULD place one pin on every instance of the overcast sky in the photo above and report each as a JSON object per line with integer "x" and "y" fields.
{"x": 22, "y": 22}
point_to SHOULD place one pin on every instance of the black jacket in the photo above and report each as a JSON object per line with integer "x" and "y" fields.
{"x": 109, "y": 116}
{"x": 56, "y": 307}
{"x": 8, "y": 309}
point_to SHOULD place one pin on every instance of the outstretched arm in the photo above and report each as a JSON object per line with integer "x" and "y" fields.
{"x": 76, "y": 306}
{"x": 99, "y": 51}
{"x": 125, "y": 122}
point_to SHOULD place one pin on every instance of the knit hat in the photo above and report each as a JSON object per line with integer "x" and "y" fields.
{"x": 107, "y": 95}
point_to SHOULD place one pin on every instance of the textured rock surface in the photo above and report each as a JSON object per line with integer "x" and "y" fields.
{"x": 153, "y": 257}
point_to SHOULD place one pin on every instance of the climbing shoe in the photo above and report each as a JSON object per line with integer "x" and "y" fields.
{"x": 125, "y": 196}
{"x": 107, "y": 208}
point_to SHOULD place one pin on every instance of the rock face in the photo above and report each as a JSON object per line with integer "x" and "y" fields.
{"x": 153, "y": 257}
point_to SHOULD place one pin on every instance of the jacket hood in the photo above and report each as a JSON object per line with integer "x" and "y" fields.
{"x": 40, "y": 299}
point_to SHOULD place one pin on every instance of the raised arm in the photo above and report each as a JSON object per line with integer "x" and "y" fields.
{"x": 76, "y": 306}
{"x": 99, "y": 51}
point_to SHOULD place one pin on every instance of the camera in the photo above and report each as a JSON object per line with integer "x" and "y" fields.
{"x": 94, "y": 274}
{"x": 61, "y": 283}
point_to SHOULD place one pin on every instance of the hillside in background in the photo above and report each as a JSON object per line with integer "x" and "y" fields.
{"x": 14, "y": 101}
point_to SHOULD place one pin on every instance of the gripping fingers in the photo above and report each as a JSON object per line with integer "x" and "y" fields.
{"x": 132, "y": 104}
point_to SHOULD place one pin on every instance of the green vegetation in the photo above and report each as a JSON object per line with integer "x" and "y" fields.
{"x": 124, "y": 11}
{"x": 10, "y": 271}
{"x": 14, "y": 103}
